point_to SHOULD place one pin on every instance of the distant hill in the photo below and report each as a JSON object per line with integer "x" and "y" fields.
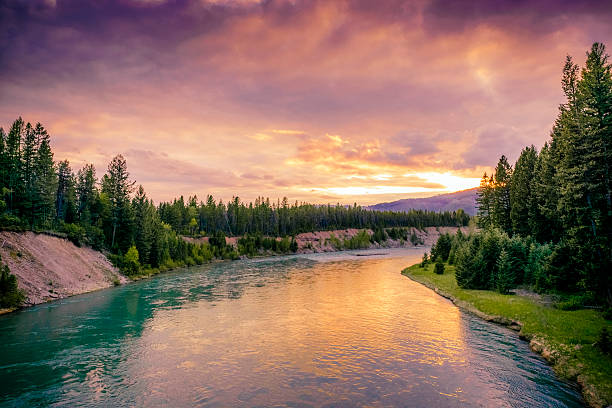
{"x": 465, "y": 199}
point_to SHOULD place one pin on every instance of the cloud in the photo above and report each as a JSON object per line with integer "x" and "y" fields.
{"x": 159, "y": 167}
{"x": 490, "y": 142}
{"x": 279, "y": 97}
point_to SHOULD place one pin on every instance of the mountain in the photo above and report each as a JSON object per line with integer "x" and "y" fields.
{"x": 465, "y": 199}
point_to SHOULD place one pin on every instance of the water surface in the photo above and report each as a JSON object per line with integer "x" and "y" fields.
{"x": 302, "y": 331}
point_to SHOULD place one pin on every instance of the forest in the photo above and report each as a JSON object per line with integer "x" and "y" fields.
{"x": 546, "y": 222}
{"x": 112, "y": 214}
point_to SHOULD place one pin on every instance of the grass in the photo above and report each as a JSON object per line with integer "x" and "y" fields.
{"x": 569, "y": 336}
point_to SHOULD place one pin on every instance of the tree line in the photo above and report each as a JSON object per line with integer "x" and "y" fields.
{"x": 547, "y": 220}
{"x": 110, "y": 213}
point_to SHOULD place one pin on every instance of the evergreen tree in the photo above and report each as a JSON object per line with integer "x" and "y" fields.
{"x": 584, "y": 134}
{"x": 118, "y": 187}
{"x": 145, "y": 224}
{"x": 484, "y": 200}
{"x": 86, "y": 192}
{"x": 65, "y": 203}
{"x": 544, "y": 221}
{"x": 505, "y": 273}
{"x": 28, "y": 156}
{"x": 45, "y": 183}
{"x": 3, "y": 163}
{"x": 439, "y": 266}
{"x": 520, "y": 191}
{"x": 501, "y": 195}
{"x": 13, "y": 163}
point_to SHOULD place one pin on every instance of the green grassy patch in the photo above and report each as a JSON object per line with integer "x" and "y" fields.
{"x": 569, "y": 334}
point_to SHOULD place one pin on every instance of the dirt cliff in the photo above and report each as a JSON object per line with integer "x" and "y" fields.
{"x": 50, "y": 268}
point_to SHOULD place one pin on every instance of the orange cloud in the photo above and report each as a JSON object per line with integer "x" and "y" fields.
{"x": 296, "y": 98}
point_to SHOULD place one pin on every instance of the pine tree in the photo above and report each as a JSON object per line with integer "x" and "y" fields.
{"x": 484, "y": 201}
{"x": 544, "y": 221}
{"x": 45, "y": 184}
{"x": 144, "y": 224}
{"x": 118, "y": 187}
{"x": 505, "y": 273}
{"x": 28, "y": 156}
{"x": 3, "y": 164}
{"x": 521, "y": 191}
{"x": 13, "y": 161}
{"x": 584, "y": 134}
{"x": 86, "y": 192}
{"x": 501, "y": 195}
{"x": 65, "y": 203}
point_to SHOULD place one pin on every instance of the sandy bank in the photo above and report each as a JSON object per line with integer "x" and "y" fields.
{"x": 49, "y": 268}
{"x": 320, "y": 241}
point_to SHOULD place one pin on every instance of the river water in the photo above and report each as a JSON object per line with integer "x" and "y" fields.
{"x": 302, "y": 331}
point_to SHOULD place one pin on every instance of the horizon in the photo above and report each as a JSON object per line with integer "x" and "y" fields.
{"x": 320, "y": 102}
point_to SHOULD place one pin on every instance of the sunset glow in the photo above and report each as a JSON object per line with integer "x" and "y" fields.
{"x": 321, "y": 101}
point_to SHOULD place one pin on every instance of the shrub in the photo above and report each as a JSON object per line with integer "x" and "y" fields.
{"x": 334, "y": 241}
{"x": 415, "y": 240}
{"x": 379, "y": 235}
{"x": 536, "y": 268}
{"x": 575, "y": 302}
{"x": 517, "y": 253}
{"x": 439, "y": 267}
{"x": 442, "y": 247}
{"x": 10, "y": 294}
{"x": 10, "y": 222}
{"x": 505, "y": 273}
{"x": 425, "y": 260}
{"x": 359, "y": 241}
{"x": 95, "y": 237}
{"x": 561, "y": 268}
{"x": 604, "y": 342}
{"x": 75, "y": 233}
{"x": 131, "y": 265}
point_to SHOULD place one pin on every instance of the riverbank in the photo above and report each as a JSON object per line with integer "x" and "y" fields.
{"x": 564, "y": 338}
{"x": 50, "y": 268}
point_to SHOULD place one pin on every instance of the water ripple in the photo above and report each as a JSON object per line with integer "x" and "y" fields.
{"x": 298, "y": 331}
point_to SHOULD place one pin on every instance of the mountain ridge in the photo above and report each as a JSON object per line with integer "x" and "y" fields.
{"x": 464, "y": 199}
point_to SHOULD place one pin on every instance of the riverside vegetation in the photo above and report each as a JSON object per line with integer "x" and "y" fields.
{"x": 546, "y": 227}
{"x": 112, "y": 215}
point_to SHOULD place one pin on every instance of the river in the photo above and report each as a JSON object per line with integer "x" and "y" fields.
{"x": 297, "y": 331}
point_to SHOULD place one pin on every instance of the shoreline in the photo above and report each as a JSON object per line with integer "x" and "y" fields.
{"x": 558, "y": 356}
{"x": 135, "y": 278}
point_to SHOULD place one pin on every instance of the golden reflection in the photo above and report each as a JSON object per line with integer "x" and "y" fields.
{"x": 356, "y": 321}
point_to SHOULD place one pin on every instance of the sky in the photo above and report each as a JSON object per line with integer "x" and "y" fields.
{"x": 320, "y": 101}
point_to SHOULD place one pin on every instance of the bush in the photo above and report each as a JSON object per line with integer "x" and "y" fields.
{"x": 415, "y": 240}
{"x": 379, "y": 235}
{"x": 561, "y": 268}
{"x": 359, "y": 241}
{"x": 131, "y": 265}
{"x": 536, "y": 268}
{"x": 10, "y": 222}
{"x": 95, "y": 237}
{"x": 439, "y": 267}
{"x": 334, "y": 242}
{"x": 604, "y": 342}
{"x": 442, "y": 247}
{"x": 505, "y": 273}
{"x": 425, "y": 260}
{"x": 75, "y": 233}
{"x": 575, "y": 302}
{"x": 10, "y": 294}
